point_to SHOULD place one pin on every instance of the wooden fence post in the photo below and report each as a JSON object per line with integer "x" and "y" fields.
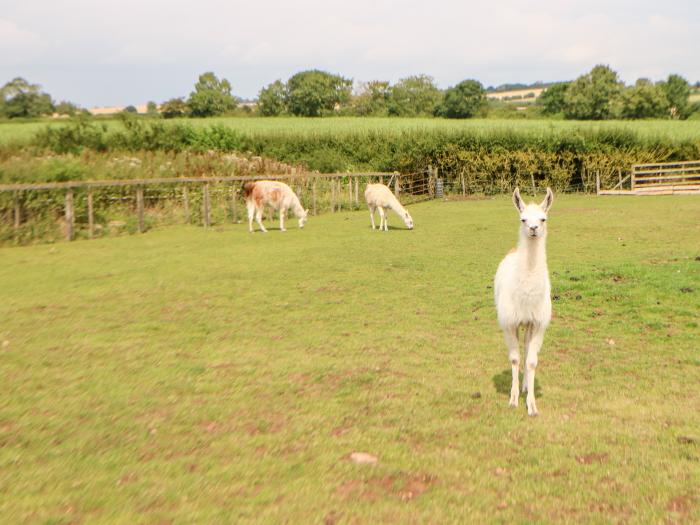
{"x": 313, "y": 192}
{"x": 233, "y": 202}
{"x": 18, "y": 214}
{"x": 464, "y": 186}
{"x": 339, "y": 193}
{"x": 350, "y": 191}
{"x": 186, "y": 202}
{"x": 397, "y": 186}
{"x": 205, "y": 204}
{"x": 332, "y": 195}
{"x": 91, "y": 215}
{"x": 597, "y": 182}
{"x": 139, "y": 207}
{"x": 357, "y": 191}
{"x": 69, "y": 215}
{"x": 632, "y": 181}
{"x": 532, "y": 179}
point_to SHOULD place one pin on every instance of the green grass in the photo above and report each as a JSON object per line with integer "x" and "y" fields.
{"x": 661, "y": 129}
{"x": 201, "y": 376}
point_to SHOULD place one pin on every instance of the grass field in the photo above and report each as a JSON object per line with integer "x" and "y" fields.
{"x": 663, "y": 129}
{"x": 188, "y": 375}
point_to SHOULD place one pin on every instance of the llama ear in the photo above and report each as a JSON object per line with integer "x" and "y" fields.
{"x": 518, "y": 201}
{"x": 548, "y": 200}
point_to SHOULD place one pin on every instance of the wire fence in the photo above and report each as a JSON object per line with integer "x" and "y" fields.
{"x": 89, "y": 209}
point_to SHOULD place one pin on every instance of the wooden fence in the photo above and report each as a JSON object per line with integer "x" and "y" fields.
{"x": 318, "y": 192}
{"x": 663, "y": 178}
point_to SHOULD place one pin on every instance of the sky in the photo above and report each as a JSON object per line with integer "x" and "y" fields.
{"x": 104, "y": 53}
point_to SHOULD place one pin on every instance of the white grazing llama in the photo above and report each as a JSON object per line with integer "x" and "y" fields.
{"x": 378, "y": 197}
{"x": 522, "y": 293}
{"x": 276, "y": 195}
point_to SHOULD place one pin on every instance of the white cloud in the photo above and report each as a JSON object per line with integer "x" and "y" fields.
{"x": 253, "y": 43}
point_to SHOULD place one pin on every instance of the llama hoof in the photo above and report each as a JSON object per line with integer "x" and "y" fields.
{"x": 531, "y": 407}
{"x": 513, "y": 398}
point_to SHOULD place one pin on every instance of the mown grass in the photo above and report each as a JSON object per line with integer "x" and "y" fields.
{"x": 189, "y": 375}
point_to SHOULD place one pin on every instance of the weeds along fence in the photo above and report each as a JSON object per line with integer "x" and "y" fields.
{"x": 90, "y": 209}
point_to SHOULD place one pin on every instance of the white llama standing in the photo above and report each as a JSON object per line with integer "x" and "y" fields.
{"x": 378, "y": 197}
{"x": 522, "y": 293}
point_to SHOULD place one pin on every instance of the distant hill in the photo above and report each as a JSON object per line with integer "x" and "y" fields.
{"x": 519, "y": 87}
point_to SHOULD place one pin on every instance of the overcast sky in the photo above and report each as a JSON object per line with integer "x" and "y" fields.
{"x": 96, "y": 52}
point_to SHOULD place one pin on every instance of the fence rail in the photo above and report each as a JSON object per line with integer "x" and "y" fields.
{"x": 318, "y": 191}
{"x": 662, "y": 178}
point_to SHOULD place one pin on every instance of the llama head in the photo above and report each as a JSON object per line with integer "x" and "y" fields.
{"x": 407, "y": 219}
{"x": 303, "y": 217}
{"x": 533, "y": 217}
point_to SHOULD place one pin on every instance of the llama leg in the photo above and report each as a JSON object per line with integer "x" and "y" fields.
{"x": 371, "y": 216}
{"x": 530, "y": 365}
{"x": 258, "y": 219}
{"x": 528, "y": 337}
{"x": 511, "y": 336}
{"x": 382, "y": 219}
{"x": 251, "y": 215}
{"x": 282, "y": 211}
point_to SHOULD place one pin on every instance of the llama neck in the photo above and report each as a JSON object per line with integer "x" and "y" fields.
{"x": 297, "y": 207}
{"x": 395, "y": 205}
{"x": 534, "y": 253}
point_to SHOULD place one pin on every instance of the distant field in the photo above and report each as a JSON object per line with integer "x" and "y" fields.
{"x": 672, "y": 130}
{"x": 213, "y": 376}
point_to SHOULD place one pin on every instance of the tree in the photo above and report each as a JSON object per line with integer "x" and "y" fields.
{"x": 313, "y": 93}
{"x": 66, "y": 108}
{"x": 271, "y": 100}
{"x": 371, "y": 98}
{"x": 211, "y": 96}
{"x": 130, "y": 109}
{"x": 463, "y": 100}
{"x": 677, "y": 91}
{"x": 151, "y": 108}
{"x": 173, "y": 108}
{"x": 552, "y": 99}
{"x": 593, "y": 96}
{"x": 643, "y": 100}
{"x": 415, "y": 95}
{"x": 22, "y": 99}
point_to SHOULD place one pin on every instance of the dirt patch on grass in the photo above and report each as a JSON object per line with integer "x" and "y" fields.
{"x": 342, "y": 429}
{"x": 589, "y": 459}
{"x": 403, "y": 486}
{"x": 680, "y": 505}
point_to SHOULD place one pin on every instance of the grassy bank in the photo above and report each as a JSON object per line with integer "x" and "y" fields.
{"x": 191, "y": 375}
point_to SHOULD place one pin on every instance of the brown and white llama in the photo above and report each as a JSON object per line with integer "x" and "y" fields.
{"x": 278, "y": 196}
{"x": 379, "y": 197}
{"x": 522, "y": 293}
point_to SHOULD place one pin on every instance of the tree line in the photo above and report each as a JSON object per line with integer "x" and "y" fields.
{"x": 596, "y": 95}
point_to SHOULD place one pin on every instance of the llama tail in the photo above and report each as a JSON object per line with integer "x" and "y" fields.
{"x": 248, "y": 189}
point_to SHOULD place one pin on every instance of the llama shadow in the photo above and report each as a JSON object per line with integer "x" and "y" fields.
{"x": 503, "y": 381}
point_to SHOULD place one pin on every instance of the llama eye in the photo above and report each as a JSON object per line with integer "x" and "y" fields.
{"x": 543, "y": 220}
{"x": 522, "y": 220}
